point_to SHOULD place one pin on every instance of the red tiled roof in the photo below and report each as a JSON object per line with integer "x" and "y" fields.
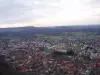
{"x": 68, "y": 68}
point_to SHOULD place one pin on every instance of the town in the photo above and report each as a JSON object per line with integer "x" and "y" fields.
{"x": 67, "y": 54}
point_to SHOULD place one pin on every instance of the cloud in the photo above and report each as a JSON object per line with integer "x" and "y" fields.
{"x": 13, "y": 11}
{"x": 48, "y": 12}
{"x": 73, "y": 12}
{"x": 19, "y": 11}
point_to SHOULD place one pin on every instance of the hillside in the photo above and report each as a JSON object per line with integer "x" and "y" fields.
{"x": 32, "y": 31}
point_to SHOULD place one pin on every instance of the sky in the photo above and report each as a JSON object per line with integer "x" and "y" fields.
{"x": 40, "y": 13}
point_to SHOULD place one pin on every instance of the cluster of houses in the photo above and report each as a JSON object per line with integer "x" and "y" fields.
{"x": 53, "y": 57}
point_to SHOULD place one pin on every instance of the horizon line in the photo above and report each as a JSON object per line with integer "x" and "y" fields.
{"x": 52, "y": 26}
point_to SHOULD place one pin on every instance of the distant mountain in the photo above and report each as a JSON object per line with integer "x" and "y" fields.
{"x": 31, "y": 31}
{"x": 15, "y": 29}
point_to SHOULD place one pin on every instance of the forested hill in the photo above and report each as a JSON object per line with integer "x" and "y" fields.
{"x": 31, "y": 31}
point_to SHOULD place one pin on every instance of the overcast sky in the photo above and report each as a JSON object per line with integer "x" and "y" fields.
{"x": 17, "y": 13}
